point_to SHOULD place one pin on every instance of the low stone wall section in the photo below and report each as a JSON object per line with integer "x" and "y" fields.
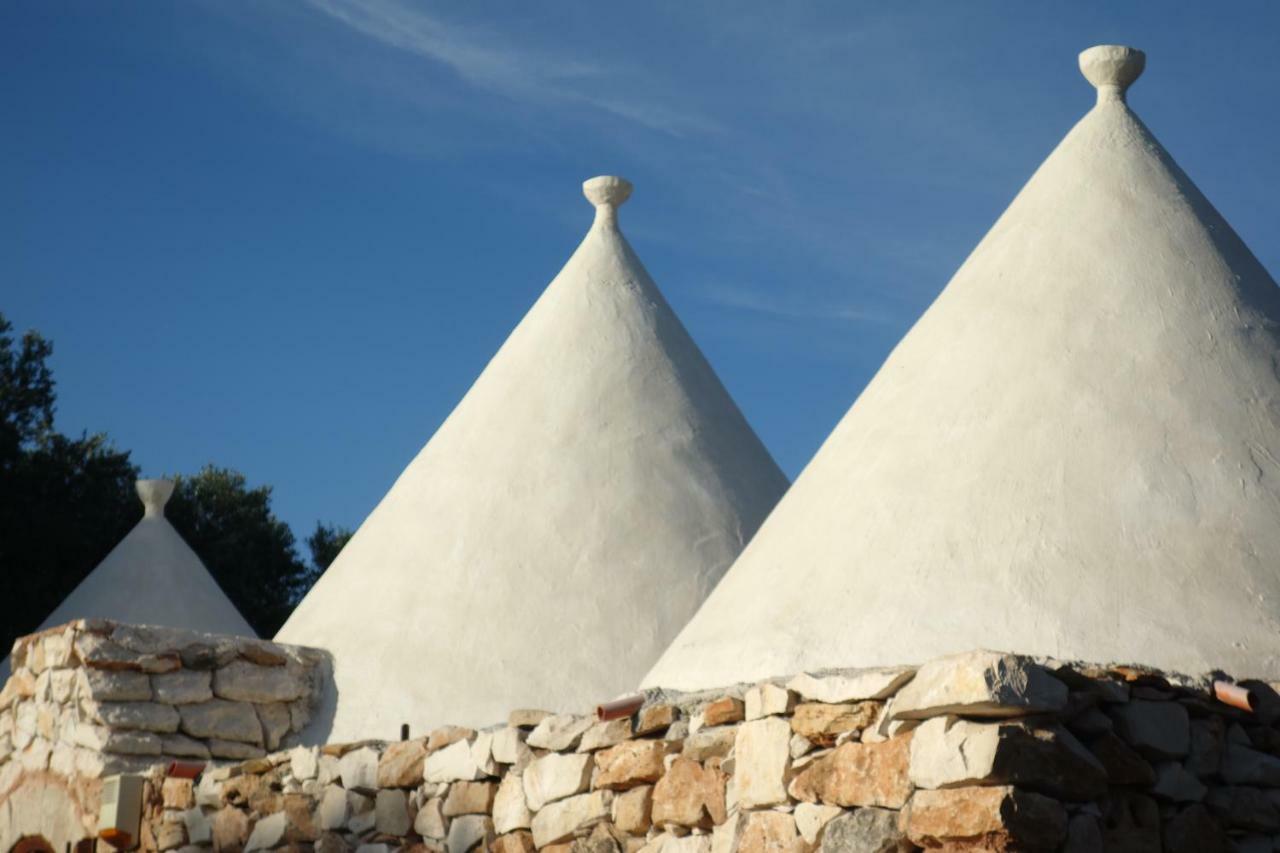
{"x": 979, "y": 752}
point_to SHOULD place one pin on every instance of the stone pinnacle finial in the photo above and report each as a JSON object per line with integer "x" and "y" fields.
{"x": 154, "y": 494}
{"x": 607, "y": 193}
{"x": 1112, "y": 68}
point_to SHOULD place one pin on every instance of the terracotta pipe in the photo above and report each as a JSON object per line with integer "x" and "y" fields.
{"x": 1233, "y": 695}
{"x": 619, "y": 708}
{"x": 185, "y": 769}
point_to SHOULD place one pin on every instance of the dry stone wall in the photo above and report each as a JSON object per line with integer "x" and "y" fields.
{"x": 93, "y": 698}
{"x": 978, "y": 752}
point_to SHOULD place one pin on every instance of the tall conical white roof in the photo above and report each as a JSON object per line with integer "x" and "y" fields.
{"x": 1075, "y": 452}
{"x": 152, "y": 578}
{"x": 562, "y": 524}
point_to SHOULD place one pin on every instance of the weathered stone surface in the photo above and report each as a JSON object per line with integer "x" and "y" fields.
{"x": 453, "y": 763}
{"x": 482, "y": 754}
{"x": 1132, "y": 823}
{"x": 998, "y": 819}
{"x": 526, "y": 718}
{"x": 1208, "y": 738}
{"x": 559, "y": 820}
{"x": 556, "y": 776}
{"x": 812, "y": 818}
{"x": 559, "y": 733}
{"x": 762, "y": 756}
{"x": 275, "y": 723}
{"x": 1175, "y": 784}
{"x": 854, "y": 686}
{"x": 947, "y": 752}
{"x": 447, "y": 736}
{"x": 822, "y": 723}
{"x": 1123, "y": 765}
{"x": 1241, "y": 807}
{"x": 391, "y": 809}
{"x": 177, "y": 793}
{"x": 430, "y": 822}
{"x": 510, "y": 808}
{"x": 690, "y": 794}
{"x": 230, "y": 829}
{"x": 767, "y": 700}
{"x": 723, "y": 711}
{"x": 267, "y": 833}
{"x": 605, "y": 734}
{"x": 770, "y": 832}
{"x": 637, "y": 762}
{"x": 1242, "y": 765}
{"x": 235, "y": 749}
{"x": 242, "y": 681}
{"x": 515, "y": 842}
{"x": 107, "y": 686}
{"x": 135, "y": 716}
{"x": 859, "y": 774}
{"x": 979, "y": 684}
{"x": 509, "y": 748}
{"x": 221, "y": 719}
{"x": 181, "y": 746}
{"x": 1158, "y": 730}
{"x": 401, "y": 764}
{"x": 710, "y": 743}
{"x": 633, "y": 810}
{"x": 1084, "y": 835}
{"x": 1193, "y": 830}
{"x": 654, "y": 718}
{"x": 358, "y": 770}
{"x": 182, "y": 687}
{"x": 470, "y": 798}
{"x": 865, "y": 831}
{"x": 468, "y": 832}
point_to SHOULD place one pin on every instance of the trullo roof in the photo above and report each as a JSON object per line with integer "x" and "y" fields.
{"x": 152, "y": 578}
{"x": 1075, "y": 452}
{"x": 562, "y": 524}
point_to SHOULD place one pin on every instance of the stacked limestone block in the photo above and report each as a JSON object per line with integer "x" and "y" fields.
{"x": 93, "y": 697}
{"x": 983, "y": 751}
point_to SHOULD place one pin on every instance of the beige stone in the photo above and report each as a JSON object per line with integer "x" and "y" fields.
{"x": 995, "y": 818}
{"x": 177, "y": 793}
{"x": 811, "y": 818}
{"x": 762, "y": 756}
{"x": 275, "y": 723}
{"x": 391, "y": 809}
{"x": 509, "y": 748}
{"x": 401, "y": 764}
{"x": 723, "y": 711}
{"x": 690, "y": 794}
{"x": 514, "y": 842}
{"x": 980, "y": 684}
{"x": 430, "y": 822}
{"x": 448, "y": 735}
{"x": 653, "y": 719}
{"x": 822, "y": 723}
{"x": 637, "y": 762}
{"x": 182, "y": 687}
{"x": 605, "y": 734}
{"x": 242, "y": 681}
{"x": 359, "y": 770}
{"x": 181, "y": 746}
{"x": 230, "y": 829}
{"x": 221, "y": 719}
{"x": 107, "y": 686}
{"x": 633, "y": 810}
{"x": 767, "y": 700}
{"x": 858, "y": 774}
{"x": 135, "y": 716}
{"x": 559, "y": 733}
{"x": 452, "y": 763}
{"x": 470, "y": 798}
{"x": 468, "y": 832}
{"x": 770, "y": 832}
{"x": 558, "y": 821}
{"x": 852, "y": 686}
{"x": 556, "y": 776}
{"x": 510, "y": 809}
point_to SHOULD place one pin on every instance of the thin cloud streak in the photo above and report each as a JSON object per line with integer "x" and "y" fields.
{"x": 502, "y": 69}
{"x": 758, "y": 303}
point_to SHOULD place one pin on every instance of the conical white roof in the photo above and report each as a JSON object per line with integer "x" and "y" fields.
{"x": 152, "y": 578}
{"x": 559, "y": 528}
{"x": 1075, "y": 452}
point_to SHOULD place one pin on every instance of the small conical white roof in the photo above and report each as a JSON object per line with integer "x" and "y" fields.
{"x": 562, "y": 524}
{"x": 1075, "y": 452}
{"x": 152, "y": 578}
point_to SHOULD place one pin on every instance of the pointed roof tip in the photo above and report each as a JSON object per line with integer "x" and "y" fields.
{"x": 1112, "y": 68}
{"x": 154, "y": 494}
{"x": 607, "y": 190}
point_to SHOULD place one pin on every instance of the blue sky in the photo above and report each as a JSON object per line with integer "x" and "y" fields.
{"x": 287, "y": 236}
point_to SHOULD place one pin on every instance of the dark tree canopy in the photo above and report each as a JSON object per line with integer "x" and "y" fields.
{"x": 66, "y": 502}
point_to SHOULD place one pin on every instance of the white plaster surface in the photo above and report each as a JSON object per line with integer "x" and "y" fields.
{"x": 561, "y": 525}
{"x": 1075, "y": 452}
{"x": 151, "y": 578}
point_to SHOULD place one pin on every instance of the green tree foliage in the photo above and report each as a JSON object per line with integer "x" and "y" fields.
{"x": 66, "y": 502}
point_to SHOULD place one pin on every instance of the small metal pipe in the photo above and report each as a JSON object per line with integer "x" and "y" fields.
{"x": 619, "y": 708}
{"x": 404, "y": 731}
{"x": 1233, "y": 695}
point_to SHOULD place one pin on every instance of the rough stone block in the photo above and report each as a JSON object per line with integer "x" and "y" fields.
{"x": 770, "y": 832}
{"x": 653, "y": 719}
{"x": 822, "y": 723}
{"x": 691, "y": 795}
{"x": 430, "y": 822}
{"x": 358, "y": 770}
{"x": 108, "y": 686}
{"x": 447, "y": 736}
{"x": 979, "y": 684}
{"x": 865, "y": 831}
{"x": 637, "y": 762}
{"x": 510, "y": 809}
{"x": 181, "y": 746}
{"x": 1242, "y": 765}
{"x": 947, "y": 752}
{"x": 605, "y": 734}
{"x": 710, "y": 743}
{"x": 470, "y": 798}
{"x": 859, "y": 774}
{"x": 1158, "y": 730}
{"x": 135, "y": 716}
{"x": 453, "y": 763}
{"x": 723, "y": 711}
{"x": 275, "y": 723}
{"x": 182, "y": 687}
{"x": 391, "y": 812}
{"x": 515, "y": 842}
{"x": 468, "y": 832}
{"x": 558, "y": 821}
{"x": 559, "y": 733}
{"x": 767, "y": 700}
{"x": 1000, "y": 818}
{"x": 762, "y": 757}
{"x": 852, "y": 686}
{"x": 556, "y": 776}
{"x": 221, "y": 719}
{"x": 401, "y": 764}
{"x": 633, "y": 810}
{"x": 242, "y": 681}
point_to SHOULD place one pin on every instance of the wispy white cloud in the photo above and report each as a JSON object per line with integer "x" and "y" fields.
{"x": 492, "y": 64}
{"x": 770, "y": 304}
